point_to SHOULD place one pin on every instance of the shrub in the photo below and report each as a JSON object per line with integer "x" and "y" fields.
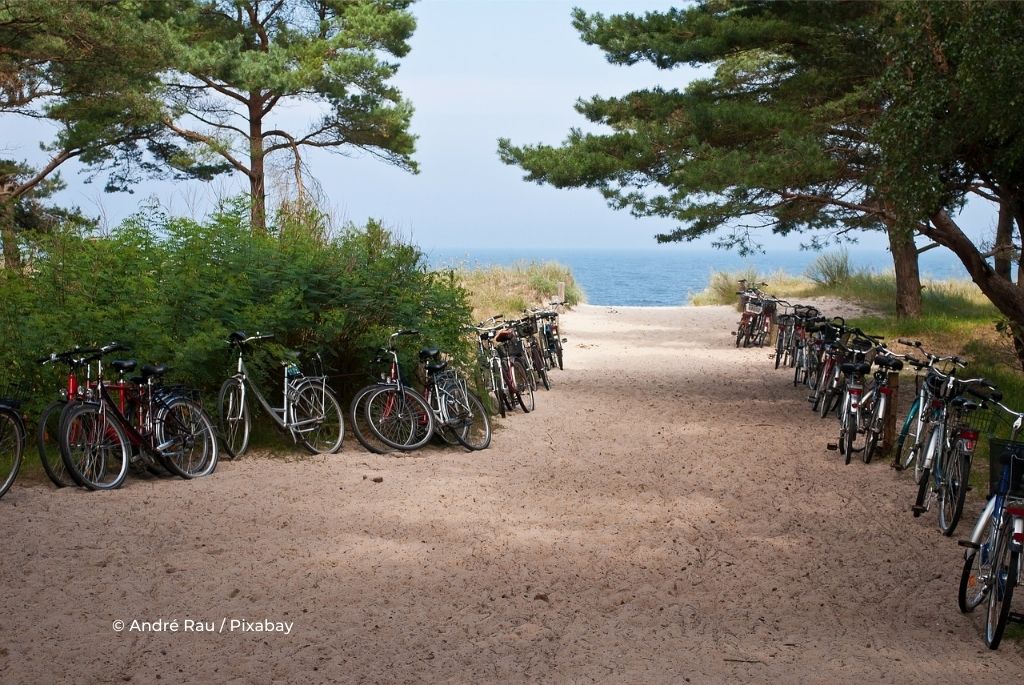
{"x": 830, "y": 269}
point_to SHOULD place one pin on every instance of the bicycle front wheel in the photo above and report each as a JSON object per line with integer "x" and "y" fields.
{"x": 48, "y": 444}
{"x": 360, "y": 425}
{"x": 471, "y": 425}
{"x": 94, "y": 447}
{"x": 233, "y": 420}
{"x": 319, "y": 422}
{"x": 905, "y": 451}
{"x": 186, "y": 439}
{"x": 1005, "y": 565}
{"x": 873, "y": 432}
{"x": 976, "y": 577}
{"x": 523, "y": 386}
{"x": 400, "y": 418}
{"x": 12, "y": 447}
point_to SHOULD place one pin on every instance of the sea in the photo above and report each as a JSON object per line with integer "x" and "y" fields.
{"x": 665, "y": 276}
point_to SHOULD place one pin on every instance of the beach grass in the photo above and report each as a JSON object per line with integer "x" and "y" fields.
{"x": 508, "y": 290}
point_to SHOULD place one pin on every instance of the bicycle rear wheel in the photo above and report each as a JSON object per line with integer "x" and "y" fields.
{"x": 12, "y": 447}
{"x": 94, "y": 447}
{"x": 523, "y": 386}
{"x": 319, "y": 421}
{"x": 400, "y": 419}
{"x": 186, "y": 439}
{"x": 954, "y": 491}
{"x": 360, "y": 426}
{"x": 905, "y": 451}
{"x": 233, "y": 420}
{"x": 1005, "y": 565}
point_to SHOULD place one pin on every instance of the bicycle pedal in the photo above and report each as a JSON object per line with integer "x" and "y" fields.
{"x": 968, "y": 543}
{"x": 832, "y": 447}
{"x": 918, "y": 510}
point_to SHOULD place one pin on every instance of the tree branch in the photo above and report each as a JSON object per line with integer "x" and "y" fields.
{"x": 196, "y": 137}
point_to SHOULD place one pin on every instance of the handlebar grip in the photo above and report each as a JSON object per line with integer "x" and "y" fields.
{"x": 912, "y": 343}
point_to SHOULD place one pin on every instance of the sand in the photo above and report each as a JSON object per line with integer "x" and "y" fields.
{"x": 668, "y": 514}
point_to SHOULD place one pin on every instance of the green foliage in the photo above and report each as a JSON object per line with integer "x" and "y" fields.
{"x": 174, "y": 289}
{"x": 723, "y": 286}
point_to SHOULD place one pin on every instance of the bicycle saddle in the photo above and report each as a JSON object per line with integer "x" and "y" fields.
{"x": 154, "y": 370}
{"x": 429, "y": 353}
{"x": 858, "y": 368}
{"x": 890, "y": 363}
{"x": 124, "y": 365}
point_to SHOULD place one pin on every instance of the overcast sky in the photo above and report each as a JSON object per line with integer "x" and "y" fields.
{"x": 478, "y": 70}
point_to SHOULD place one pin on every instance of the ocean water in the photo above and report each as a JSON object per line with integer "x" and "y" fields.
{"x": 669, "y": 275}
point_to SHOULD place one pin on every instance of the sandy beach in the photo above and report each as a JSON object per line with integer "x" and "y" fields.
{"x": 668, "y": 514}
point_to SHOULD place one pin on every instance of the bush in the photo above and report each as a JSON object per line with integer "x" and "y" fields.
{"x": 510, "y": 289}
{"x": 174, "y": 289}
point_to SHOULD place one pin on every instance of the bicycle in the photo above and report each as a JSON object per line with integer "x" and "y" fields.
{"x": 395, "y": 413}
{"x": 874, "y": 404}
{"x": 12, "y": 436}
{"x": 459, "y": 415}
{"x": 496, "y": 367}
{"x": 992, "y": 555}
{"x": 48, "y": 430}
{"x": 912, "y": 432}
{"x": 854, "y": 365}
{"x": 134, "y": 422}
{"x": 751, "y": 326}
{"x": 310, "y": 413}
{"x": 950, "y": 450}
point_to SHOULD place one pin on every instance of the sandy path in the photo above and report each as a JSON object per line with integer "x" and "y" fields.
{"x": 668, "y": 514}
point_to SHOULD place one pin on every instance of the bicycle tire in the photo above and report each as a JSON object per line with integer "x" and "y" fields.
{"x": 538, "y": 365}
{"x": 12, "y": 447}
{"x": 402, "y": 420}
{"x": 473, "y": 429}
{"x": 359, "y": 425}
{"x": 779, "y": 346}
{"x": 94, "y": 446}
{"x": 234, "y": 422}
{"x": 847, "y": 436}
{"x": 527, "y": 400}
{"x": 976, "y": 574}
{"x": 954, "y": 494}
{"x": 314, "y": 402}
{"x": 558, "y": 354}
{"x": 874, "y": 429}
{"x": 185, "y": 423}
{"x": 923, "y": 489}
{"x": 922, "y": 457}
{"x": 47, "y": 443}
{"x": 1000, "y": 594}
{"x": 904, "y": 453}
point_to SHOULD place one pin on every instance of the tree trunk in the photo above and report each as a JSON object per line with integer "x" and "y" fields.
{"x": 908, "y": 277}
{"x": 9, "y": 236}
{"x": 257, "y": 171}
{"x": 1003, "y": 250}
{"x": 1007, "y": 296}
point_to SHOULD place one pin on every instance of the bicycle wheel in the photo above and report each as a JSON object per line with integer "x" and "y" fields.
{"x": 976, "y": 577}
{"x": 847, "y": 434}
{"x": 873, "y": 433}
{"x": 799, "y": 372}
{"x": 186, "y": 439}
{"x": 400, "y": 419}
{"x": 924, "y": 489}
{"x": 233, "y": 420}
{"x": 924, "y": 449}
{"x": 780, "y": 345}
{"x": 558, "y": 353}
{"x": 905, "y": 451}
{"x": 94, "y": 446}
{"x": 1005, "y": 564}
{"x": 523, "y": 386}
{"x": 318, "y": 419}
{"x": 472, "y": 427}
{"x": 360, "y": 426}
{"x": 953, "y": 492}
{"x": 48, "y": 444}
{"x": 538, "y": 365}
{"x": 12, "y": 447}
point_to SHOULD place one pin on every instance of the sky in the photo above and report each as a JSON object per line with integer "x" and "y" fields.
{"x": 478, "y": 70}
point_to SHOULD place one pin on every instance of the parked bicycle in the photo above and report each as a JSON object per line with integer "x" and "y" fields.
{"x": 992, "y": 558}
{"x": 309, "y": 411}
{"x": 12, "y": 436}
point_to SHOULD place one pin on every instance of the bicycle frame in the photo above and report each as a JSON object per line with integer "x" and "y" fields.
{"x": 283, "y": 416}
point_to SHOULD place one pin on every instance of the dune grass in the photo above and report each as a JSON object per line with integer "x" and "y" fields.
{"x": 509, "y": 290}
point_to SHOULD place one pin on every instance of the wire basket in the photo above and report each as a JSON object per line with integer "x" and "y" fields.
{"x": 754, "y": 306}
{"x": 1003, "y": 453}
{"x": 13, "y": 393}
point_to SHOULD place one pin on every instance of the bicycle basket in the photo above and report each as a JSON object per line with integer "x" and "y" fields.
{"x": 936, "y": 385}
{"x": 13, "y": 393}
{"x": 754, "y": 306}
{"x": 1001, "y": 454}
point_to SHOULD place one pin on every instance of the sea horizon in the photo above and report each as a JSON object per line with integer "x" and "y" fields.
{"x": 671, "y": 275}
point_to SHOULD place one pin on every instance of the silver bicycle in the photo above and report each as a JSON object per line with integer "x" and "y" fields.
{"x": 310, "y": 413}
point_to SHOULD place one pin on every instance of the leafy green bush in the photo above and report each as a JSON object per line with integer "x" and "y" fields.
{"x": 174, "y": 289}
